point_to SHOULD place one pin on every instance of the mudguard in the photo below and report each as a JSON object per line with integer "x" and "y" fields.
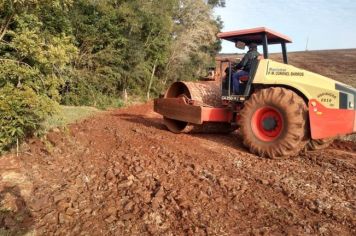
{"x": 326, "y": 122}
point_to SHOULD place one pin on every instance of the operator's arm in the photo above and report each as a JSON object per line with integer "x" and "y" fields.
{"x": 243, "y": 62}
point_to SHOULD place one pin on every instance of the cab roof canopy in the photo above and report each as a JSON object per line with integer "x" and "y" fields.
{"x": 254, "y": 36}
{"x": 260, "y": 36}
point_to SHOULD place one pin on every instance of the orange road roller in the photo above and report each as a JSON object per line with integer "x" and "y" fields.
{"x": 279, "y": 109}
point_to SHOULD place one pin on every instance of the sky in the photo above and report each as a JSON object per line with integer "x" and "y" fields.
{"x": 325, "y": 24}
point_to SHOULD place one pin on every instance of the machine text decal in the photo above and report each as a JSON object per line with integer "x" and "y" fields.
{"x": 328, "y": 98}
{"x": 283, "y": 72}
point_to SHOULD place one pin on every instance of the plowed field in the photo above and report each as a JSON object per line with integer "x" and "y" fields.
{"x": 122, "y": 173}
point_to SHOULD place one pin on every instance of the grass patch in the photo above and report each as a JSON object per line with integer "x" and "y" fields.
{"x": 68, "y": 115}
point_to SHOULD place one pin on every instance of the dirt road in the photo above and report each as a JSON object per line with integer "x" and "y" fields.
{"x": 122, "y": 173}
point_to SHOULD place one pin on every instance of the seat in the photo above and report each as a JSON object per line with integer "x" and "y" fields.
{"x": 244, "y": 78}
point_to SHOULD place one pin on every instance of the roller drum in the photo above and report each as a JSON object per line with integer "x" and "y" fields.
{"x": 206, "y": 93}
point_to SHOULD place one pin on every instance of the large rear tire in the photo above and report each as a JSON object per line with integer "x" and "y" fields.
{"x": 273, "y": 123}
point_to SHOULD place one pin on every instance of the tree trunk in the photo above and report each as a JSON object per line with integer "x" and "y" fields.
{"x": 151, "y": 80}
{"x": 124, "y": 95}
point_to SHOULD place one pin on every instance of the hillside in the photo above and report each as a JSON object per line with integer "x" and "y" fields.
{"x": 336, "y": 64}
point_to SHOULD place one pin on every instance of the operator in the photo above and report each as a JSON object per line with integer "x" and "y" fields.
{"x": 244, "y": 66}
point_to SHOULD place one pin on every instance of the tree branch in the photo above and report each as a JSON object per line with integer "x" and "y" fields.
{"x": 4, "y": 28}
{"x": 18, "y": 62}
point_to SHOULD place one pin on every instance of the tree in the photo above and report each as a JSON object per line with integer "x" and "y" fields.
{"x": 33, "y": 60}
{"x": 119, "y": 45}
{"x": 216, "y": 3}
{"x": 86, "y": 52}
{"x": 194, "y": 43}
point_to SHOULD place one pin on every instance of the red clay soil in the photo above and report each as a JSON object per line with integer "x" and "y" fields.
{"x": 123, "y": 173}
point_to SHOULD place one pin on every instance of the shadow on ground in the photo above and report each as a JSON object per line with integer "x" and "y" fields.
{"x": 15, "y": 217}
{"x": 232, "y": 139}
{"x": 139, "y": 119}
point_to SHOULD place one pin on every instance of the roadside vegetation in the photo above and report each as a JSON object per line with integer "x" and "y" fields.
{"x": 67, "y": 115}
{"x": 95, "y": 53}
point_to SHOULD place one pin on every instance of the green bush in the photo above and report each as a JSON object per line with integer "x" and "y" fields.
{"x": 91, "y": 98}
{"x": 22, "y": 113}
{"x": 79, "y": 92}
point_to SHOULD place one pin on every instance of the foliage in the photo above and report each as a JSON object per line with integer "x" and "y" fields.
{"x": 195, "y": 45}
{"x": 220, "y": 3}
{"x": 21, "y": 113}
{"x": 87, "y": 52}
{"x": 33, "y": 62}
{"x": 118, "y": 46}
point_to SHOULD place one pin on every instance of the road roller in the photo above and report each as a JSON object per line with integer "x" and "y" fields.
{"x": 280, "y": 111}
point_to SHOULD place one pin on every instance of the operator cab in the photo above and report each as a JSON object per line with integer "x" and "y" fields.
{"x": 260, "y": 36}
